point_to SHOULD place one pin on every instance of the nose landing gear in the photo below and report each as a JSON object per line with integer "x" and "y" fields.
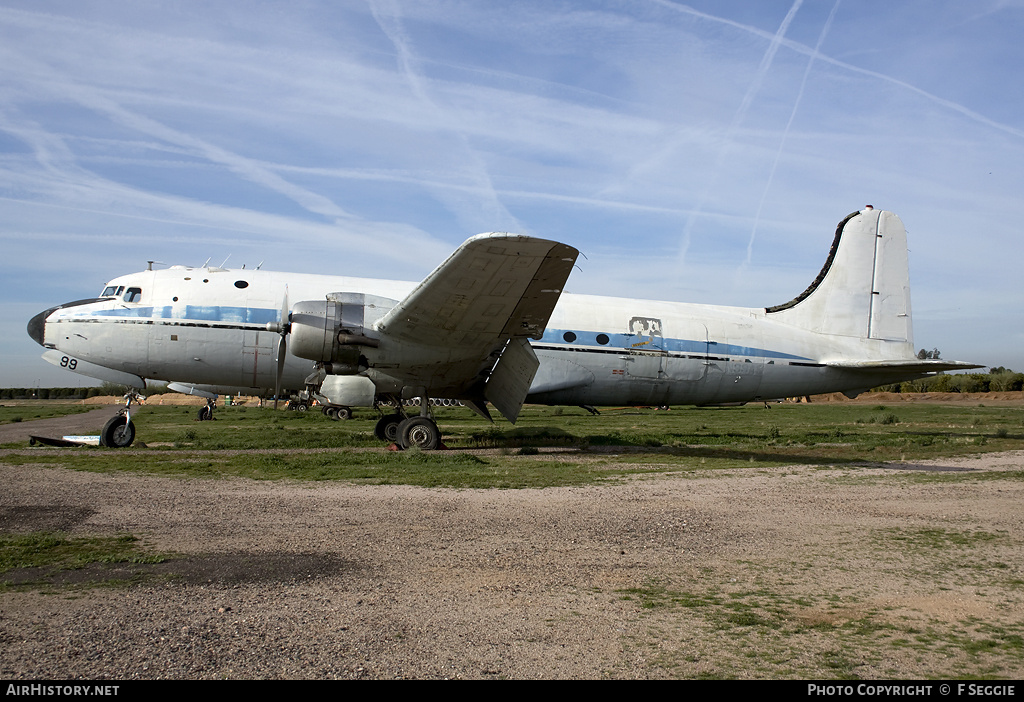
{"x": 119, "y": 432}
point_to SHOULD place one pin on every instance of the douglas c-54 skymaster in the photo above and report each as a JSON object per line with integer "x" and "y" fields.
{"x": 491, "y": 324}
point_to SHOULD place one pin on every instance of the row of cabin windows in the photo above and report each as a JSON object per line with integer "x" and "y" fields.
{"x": 135, "y": 294}
{"x": 570, "y": 337}
{"x": 131, "y": 295}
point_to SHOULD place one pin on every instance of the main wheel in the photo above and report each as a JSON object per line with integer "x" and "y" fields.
{"x": 118, "y": 432}
{"x": 419, "y": 432}
{"x": 387, "y": 428}
{"x": 205, "y": 414}
{"x": 344, "y": 413}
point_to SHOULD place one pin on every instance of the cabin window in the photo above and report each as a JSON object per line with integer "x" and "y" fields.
{"x": 241, "y": 284}
{"x": 602, "y": 339}
{"x": 133, "y": 295}
{"x": 569, "y": 337}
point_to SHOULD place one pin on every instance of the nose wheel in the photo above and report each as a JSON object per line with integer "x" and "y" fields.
{"x": 118, "y": 432}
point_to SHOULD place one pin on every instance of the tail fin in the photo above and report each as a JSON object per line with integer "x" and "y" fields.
{"x": 863, "y": 291}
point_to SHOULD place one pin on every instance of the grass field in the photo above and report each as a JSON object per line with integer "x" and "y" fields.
{"x": 890, "y": 589}
{"x": 26, "y": 411}
{"x": 548, "y": 446}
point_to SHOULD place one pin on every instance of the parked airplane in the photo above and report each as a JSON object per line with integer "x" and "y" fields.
{"x": 491, "y": 324}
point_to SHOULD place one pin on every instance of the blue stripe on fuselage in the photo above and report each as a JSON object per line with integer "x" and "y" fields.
{"x": 627, "y": 342}
{"x": 203, "y": 313}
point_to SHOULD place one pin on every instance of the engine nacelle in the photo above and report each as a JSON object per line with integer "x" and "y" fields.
{"x": 338, "y": 330}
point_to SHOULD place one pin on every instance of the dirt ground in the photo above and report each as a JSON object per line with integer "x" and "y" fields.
{"x": 909, "y": 571}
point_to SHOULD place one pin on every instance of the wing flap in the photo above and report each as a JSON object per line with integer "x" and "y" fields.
{"x": 510, "y": 380}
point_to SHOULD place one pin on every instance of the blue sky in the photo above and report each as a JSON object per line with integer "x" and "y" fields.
{"x": 698, "y": 152}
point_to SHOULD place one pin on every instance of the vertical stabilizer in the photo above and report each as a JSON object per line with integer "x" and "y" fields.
{"x": 863, "y": 291}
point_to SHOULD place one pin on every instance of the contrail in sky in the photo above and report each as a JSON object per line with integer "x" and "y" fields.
{"x": 741, "y": 113}
{"x": 785, "y": 133}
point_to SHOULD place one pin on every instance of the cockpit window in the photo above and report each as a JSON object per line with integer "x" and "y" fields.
{"x": 133, "y": 295}
{"x": 112, "y": 291}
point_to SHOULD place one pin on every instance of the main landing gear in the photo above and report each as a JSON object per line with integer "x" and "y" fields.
{"x": 405, "y": 432}
{"x": 205, "y": 414}
{"x": 337, "y": 412}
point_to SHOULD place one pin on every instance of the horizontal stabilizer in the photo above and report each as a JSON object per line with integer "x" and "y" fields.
{"x": 913, "y": 365}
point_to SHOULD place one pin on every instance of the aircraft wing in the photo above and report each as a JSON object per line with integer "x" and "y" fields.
{"x": 492, "y": 294}
{"x": 495, "y": 286}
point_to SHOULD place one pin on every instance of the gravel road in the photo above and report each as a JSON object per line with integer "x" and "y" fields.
{"x": 327, "y": 580}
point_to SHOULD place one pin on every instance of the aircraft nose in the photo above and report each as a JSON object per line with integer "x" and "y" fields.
{"x": 37, "y": 326}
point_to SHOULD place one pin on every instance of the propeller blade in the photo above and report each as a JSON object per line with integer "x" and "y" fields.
{"x": 282, "y": 345}
{"x": 282, "y": 352}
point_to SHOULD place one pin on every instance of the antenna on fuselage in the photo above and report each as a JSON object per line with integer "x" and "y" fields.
{"x": 225, "y": 261}
{"x": 261, "y": 265}
{"x": 207, "y": 263}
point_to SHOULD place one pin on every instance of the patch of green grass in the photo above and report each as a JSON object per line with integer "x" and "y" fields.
{"x": 423, "y": 468}
{"x": 24, "y": 411}
{"x": 59, "y": 551}
{"x": 937, "y": 538}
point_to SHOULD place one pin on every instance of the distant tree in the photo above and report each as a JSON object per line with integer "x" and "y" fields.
{"x": 1005, "y": 380}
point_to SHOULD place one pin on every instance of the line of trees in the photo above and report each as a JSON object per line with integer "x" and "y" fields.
{"x": 998, "y": 379}
{"x": 48, "y": 393}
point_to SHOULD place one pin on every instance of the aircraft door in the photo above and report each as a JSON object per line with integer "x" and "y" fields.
{"x": 259, "y": 365}
{"x": 689, "y": 361}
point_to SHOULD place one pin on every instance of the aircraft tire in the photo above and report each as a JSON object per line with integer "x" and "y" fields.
{"x": 419, "y": 432}
{"x": 204, "y": 414}
{"x": 118, "y": 432}
{"x": 387, "y": 428}
{"x": 343, "y": 413}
